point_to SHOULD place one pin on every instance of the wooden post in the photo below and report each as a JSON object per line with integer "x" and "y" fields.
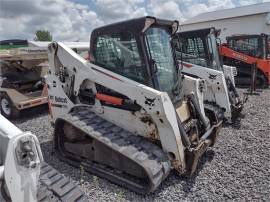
{"x": 253, "y": 78}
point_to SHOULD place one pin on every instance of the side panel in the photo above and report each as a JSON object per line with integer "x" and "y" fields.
{"x": 197, "y": 87}
{"x": 216, "y": 86}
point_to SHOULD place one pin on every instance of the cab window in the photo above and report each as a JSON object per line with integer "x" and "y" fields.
{"x": 191, "y": 50}
{"x": 249, "y": 46}
{"x": 119, "y": 53}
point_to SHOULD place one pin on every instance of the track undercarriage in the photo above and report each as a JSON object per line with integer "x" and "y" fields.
{"x": 106, "y": 150}
{"x": 82, "y": 138}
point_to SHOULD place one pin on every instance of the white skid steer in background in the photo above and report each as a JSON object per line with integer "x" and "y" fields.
{"x": 199, "y": 57}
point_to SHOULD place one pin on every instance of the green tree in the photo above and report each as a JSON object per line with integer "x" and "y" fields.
{"x": 43, "y": 35}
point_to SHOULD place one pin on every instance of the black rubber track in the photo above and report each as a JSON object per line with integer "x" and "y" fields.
{"x": 141, "y": 151}
{"x": 54, "y": 186}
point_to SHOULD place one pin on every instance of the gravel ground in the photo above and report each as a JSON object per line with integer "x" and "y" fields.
{"x": 237, "y": 168}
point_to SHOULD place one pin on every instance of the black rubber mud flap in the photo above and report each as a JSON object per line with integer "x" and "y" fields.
{"x": 193, "y": 155}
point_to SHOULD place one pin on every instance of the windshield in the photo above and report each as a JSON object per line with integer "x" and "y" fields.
{"x": 191, "y": 50}
{"x": 160, "y": 51}
{"x": 202, "y": 51}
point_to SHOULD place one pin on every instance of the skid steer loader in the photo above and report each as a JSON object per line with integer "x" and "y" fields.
{"x": 129, "y": 115}
{"x": 245, "y": 51}
{"x": 24, "y": 176}
{"x": 199, "y": 55}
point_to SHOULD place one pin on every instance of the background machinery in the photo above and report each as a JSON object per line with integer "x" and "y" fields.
{"x": 246, "y": 52}
{"x": 23, "y": 65}
{"x": 128, "y": 115}
{"x": 241, "y": 33}
{"x": 24, "y": 176}
{"x": 21, "y": 75}
{"x": 199, "y": 55}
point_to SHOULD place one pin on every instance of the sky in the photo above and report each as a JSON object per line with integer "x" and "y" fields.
{"x": 73, "y": 20}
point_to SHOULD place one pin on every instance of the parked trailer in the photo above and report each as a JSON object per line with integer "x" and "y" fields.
{"x": 22, "y": 70}
{"x": 23, "y": 66}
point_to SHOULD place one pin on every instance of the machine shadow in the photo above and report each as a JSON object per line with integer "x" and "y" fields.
{"x": 28, "y": 114}
{"x": 236, "y": 124}
{"x": 188, "y": 181}
{"x": 47, "y": 150}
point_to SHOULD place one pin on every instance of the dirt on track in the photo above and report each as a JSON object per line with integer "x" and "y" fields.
{"x": 236, "y": 168}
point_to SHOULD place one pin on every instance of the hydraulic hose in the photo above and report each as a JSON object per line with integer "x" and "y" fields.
{"x": 198, "y": 111}
{"x": 184, "y": 136}
{"x": 231, "y": 87}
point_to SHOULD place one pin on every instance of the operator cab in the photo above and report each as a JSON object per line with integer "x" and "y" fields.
{"x": 139, "y": 49}
{"x": 198, "y": 47}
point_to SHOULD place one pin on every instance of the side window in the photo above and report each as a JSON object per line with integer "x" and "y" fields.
{"x": 119, "y": 53}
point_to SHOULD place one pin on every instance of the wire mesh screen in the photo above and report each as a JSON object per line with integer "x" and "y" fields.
{"x": 193, "y": 51}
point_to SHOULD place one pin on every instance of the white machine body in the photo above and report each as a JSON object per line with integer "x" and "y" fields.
{"x": 20, "y": 161}
{"x": 155, "y": 104}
